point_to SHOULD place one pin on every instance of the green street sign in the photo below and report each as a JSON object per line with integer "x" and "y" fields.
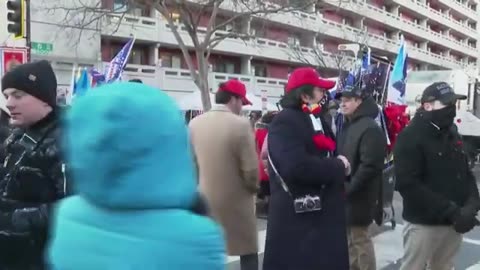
{"x": 42, "y": 48}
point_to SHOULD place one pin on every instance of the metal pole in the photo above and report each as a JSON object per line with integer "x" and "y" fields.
{"x": 28, "y": 36}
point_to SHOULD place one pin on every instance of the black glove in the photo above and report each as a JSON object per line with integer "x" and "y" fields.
{"x": 464, "y": 220}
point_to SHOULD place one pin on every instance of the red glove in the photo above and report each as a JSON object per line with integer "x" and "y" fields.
{"x": 323, "y": 142}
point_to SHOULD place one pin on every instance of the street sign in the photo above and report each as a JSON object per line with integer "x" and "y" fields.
{"x": 11, "y": 57}
{"x": 42, "y": 48}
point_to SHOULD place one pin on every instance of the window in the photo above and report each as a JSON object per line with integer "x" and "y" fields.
{"x": 125, "y": 6}
{"x": 175, "y": 16}
{"x": 166, "y": 60}
{"x": 136, "y": 57}
{"x": 176, "y": 61}
{"x": 293, "y": 40}
{"x": 260, "y": 70}
{"x": 171, "y": 60}
{"x": 120, "y": 5}
{"x": 259, "y": 31}
{"x": 224, "y": 67}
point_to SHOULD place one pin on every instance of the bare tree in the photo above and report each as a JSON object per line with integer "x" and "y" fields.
{"x": 318, "y": 57}
{"x": 187, "y": 15}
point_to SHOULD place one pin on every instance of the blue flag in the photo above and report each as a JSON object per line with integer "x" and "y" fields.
{"x": 82, "y": 84}
{"x": 396, "y": 83}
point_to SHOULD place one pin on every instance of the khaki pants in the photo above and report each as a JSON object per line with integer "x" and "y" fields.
{"x": 432, "y": 246}
{"x": 360, "y": 249}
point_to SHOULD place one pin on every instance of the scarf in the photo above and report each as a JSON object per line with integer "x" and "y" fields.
{"x": 321, "y": 141}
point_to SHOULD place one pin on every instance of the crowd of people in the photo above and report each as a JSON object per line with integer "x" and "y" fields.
{"x": 119, "y": 181}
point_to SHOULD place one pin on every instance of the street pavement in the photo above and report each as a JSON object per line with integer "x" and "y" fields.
{"x": 388, "y": 243}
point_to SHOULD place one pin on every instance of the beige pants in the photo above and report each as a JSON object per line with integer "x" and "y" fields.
{"x": 360, "y": 249}
{"x": 432, "y": 246}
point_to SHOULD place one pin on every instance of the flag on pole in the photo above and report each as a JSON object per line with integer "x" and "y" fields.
{"x": 396, "y": 84}
{"x": 97, "y": 77}
{"x": 73, "y": 81}
{"x": 82, "y": 84}
{"x": 118, "y": 63}
{"x": 366, "y": 59}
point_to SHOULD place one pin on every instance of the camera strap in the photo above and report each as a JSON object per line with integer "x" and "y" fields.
{"x": 284, "y": 185}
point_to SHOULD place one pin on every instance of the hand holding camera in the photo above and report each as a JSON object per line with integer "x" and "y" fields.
{"x": 348, "y": 168}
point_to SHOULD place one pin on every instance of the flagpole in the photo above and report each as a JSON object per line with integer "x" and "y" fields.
{"x": 385, "y": 85}
{"x": 72, "y": 86}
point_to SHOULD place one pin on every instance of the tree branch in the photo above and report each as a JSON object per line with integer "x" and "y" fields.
{"x": 211, "y": 23}
{"x": 163, "y": 9}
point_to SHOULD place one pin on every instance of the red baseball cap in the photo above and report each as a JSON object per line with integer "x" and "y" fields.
{"x": 307, "y": 76}
{"x": 236, "y": 87}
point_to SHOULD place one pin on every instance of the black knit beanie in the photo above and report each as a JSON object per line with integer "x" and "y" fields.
{"x": 36, "y": 79}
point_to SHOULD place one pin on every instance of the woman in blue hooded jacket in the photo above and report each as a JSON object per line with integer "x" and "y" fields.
{"x": 130, "y": 158}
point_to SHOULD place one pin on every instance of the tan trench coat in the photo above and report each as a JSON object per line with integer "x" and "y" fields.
{"x": 224, "y": 149}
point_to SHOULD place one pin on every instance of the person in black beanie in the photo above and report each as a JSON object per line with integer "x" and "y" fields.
{"x": 34, "y": 169}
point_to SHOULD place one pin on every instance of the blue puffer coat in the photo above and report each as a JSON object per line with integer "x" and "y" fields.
{"x": 133, "y": 171}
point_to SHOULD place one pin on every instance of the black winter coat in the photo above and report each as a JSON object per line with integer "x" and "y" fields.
{"x": 315, "y": 240}
{"x": 33, "y": 179}
{"x": 364, "y": 144}
{"x": 432, "y": 173}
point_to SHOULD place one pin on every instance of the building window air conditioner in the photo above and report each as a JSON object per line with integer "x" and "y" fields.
{"x": 229, "y": 27}
{"x": 416, "y": 44}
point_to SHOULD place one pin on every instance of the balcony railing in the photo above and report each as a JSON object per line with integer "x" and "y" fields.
{"x": 435, "y": 36}
{"x": 441, "y": 17}
{"x": 384, "y": 43}
{"x": 461, "y": 8}
{"x": 414, "y": 28}
{"x": 251, "y": 47}
{"x": 178, "y": 82}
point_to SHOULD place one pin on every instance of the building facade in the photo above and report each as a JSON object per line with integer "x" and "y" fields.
{"x": 441, "y": 34}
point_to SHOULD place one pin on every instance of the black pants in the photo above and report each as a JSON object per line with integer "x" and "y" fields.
{"x": 249, "y": 262}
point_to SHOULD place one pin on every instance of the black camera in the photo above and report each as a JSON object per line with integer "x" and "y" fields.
{"x": 307, "y": 204}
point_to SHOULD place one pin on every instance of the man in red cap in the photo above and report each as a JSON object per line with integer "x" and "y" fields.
{"x": 224, "y": 149}
{"x": 306, "y": 219}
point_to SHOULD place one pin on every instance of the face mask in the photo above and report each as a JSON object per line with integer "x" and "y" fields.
{"x": 443, "y": 118}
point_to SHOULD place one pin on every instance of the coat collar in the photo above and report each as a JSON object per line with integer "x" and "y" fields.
{"x": 220, "y": 108}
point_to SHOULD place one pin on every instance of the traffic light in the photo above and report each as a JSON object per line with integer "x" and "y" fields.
{"x": 15, "y": 18}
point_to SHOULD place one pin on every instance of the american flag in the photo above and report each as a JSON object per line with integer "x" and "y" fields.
{"x": 118, "y": 63}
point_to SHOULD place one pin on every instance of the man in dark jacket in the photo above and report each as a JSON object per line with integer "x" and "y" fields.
{"x": 300, "y": 150}
{"x": 440, "y": 195}
{"x": 364, "y": 144}
{"x": 34, "y": 173}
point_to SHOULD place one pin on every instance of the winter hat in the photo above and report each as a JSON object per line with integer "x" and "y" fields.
{"x": 36, "y": 79}
{"x": 442, "y": 92}
{"x": 307, "y": 76}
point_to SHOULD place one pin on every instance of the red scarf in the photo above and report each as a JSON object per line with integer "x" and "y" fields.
{"x": 319, "y": 138}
